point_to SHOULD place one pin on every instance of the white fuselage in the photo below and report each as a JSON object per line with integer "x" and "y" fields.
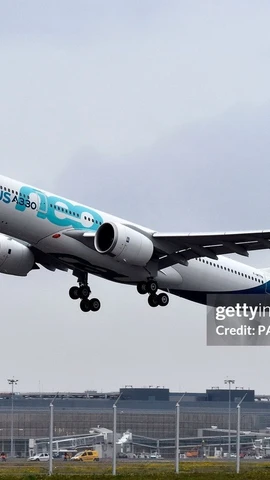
{"x": 36, "y": 217}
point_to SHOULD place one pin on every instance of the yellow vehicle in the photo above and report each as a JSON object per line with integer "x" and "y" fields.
{"x": 86, "y": 456}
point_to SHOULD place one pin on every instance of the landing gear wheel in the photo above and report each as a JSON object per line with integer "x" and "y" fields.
{"x": 163, "y": 299}
{"x": 74, "y": 293}
{"x": 85, "y": 305}
{"x": 153, "y": 300}
{"x": 152, "y": 286}
{"x": 84, "y": 291}
{"x": 95, "y": 304}
{"x": 142, "y": 288}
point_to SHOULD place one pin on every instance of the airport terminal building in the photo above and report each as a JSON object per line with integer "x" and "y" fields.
{"x": 149, "y": 413}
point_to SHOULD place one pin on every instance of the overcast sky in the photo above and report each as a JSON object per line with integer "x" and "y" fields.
{"x": 156, "y": 111}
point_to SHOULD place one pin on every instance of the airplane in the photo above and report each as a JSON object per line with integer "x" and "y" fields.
{"x": 41, "y": 229}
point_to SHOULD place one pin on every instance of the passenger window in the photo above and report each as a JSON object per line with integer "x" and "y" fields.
{"x": 8, "y": 189}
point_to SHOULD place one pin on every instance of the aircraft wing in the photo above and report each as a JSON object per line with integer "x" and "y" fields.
{"x": 175, "y": 248}
{"x": 172, "y": 248}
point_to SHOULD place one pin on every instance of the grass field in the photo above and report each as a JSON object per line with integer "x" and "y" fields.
{"x": 141, "y": 471}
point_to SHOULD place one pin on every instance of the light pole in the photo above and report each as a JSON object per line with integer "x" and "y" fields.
{"x": 114, "y": 434}
{"x": 229, "y": 382}
{"x": 51, "y": 437}
{"x": 238, "y": 434}
{"x": 12, "y": 382}
{"x": 177, "y": 406}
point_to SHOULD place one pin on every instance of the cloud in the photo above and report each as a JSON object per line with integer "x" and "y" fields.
{"x": 203, "y": 178}
{"x": 206, "y": 176}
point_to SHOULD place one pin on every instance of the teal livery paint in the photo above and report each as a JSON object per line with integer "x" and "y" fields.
{"x": 57, "y": 210}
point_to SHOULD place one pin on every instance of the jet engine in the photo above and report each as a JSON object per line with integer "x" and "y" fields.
{"x": 15, "y": 258}
{"x": 123, "y": 243}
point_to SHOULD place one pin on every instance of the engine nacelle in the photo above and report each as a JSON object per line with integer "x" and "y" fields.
{"x": 125, "y": 244}
{"x": 15, "y": 258}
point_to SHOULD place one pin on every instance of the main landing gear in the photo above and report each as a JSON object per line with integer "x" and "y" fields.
{"x": 151, "y": 288}
{"x": 83, "y": 292}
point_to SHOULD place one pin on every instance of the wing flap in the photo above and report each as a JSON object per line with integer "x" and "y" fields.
{"x": 181, "y": 247}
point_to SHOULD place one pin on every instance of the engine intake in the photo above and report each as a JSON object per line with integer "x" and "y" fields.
{"x": 15, "y": 258}
{"x": 124, "y": 243}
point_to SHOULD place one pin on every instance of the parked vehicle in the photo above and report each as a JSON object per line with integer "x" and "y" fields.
{"x": 40, "y": 457}
{"x": 86, "y": 456}
{"x": 155, "y": 455}
{"x": 122, "y": 455}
